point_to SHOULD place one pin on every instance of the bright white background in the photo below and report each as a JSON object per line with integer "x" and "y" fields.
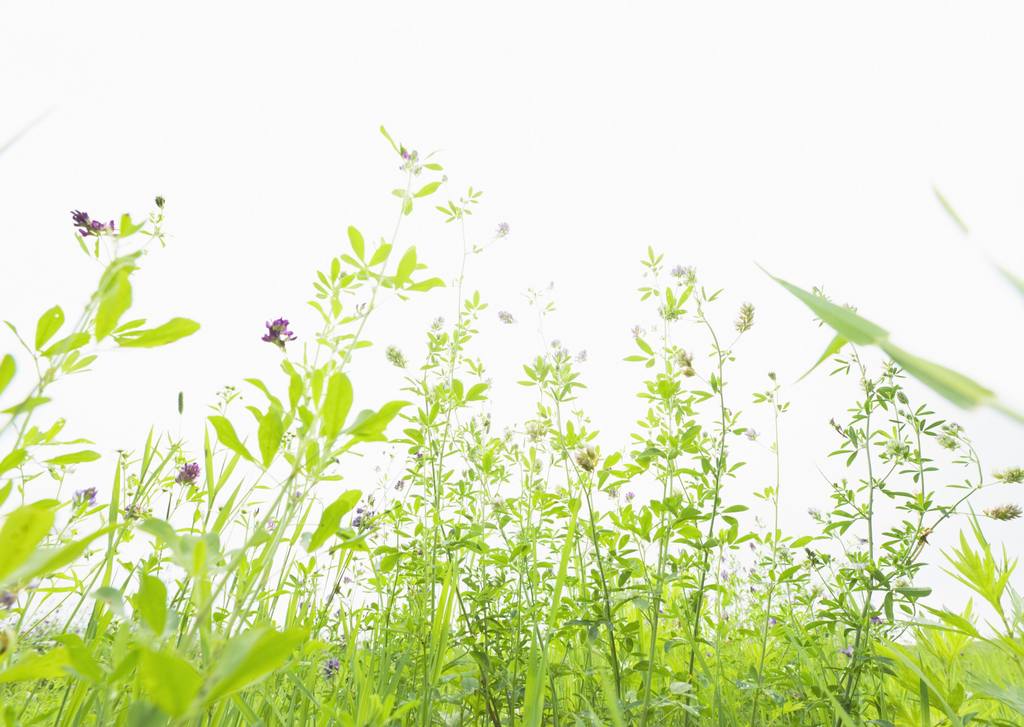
{"x": 803, "y": 136}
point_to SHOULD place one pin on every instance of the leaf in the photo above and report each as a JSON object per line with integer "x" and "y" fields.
{"x": 45, "y": 561}
{"x": 406, "y": 266}
{"x": 151, "y": 601}
{"x": 67, "y": 344}
{"x": 12, "y": 460}
{"x": 845, "y": 322}
{"x": 7, "y": 369}
{"x": 249, "y": 658}
{"x": 330, "y": 521}
{"x": 427, "y": 284}
{"x": 380, "y": 254}
{"x": 355, "y": 239}
{"x": 270, "y": 432}
{"x": 27, "y": 405}
{"x": 427, "y": 189}
{"x": 170, "y": 681}
{"x": 372, "y": 427}
{"x": 337, "y": 404}
{"x": 49, "y": 323}
{"x": 831, "y": 350}
{"x": 226, "y": 435}
{"x": 959, "y": 389}
{"x": 174, "y": 330}
{"x": 22, "y": 531}
{"x": 113, "y": 304}
{"x": 51, "y": 665}
{"x": 86, "y": 455}
{"x": 950, "y": 211}
{"x": 1015, "y": 280}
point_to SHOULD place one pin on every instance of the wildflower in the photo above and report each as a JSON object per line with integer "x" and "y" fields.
{"x": 395, "y": 357}
{"x": 630, "y": 495}
{"x": 505, "y": 317}
{"x": 331, "y": 667}
{"x": 848, "y": 651}
{"x": 876, "y": 620}
{"x": 88, "y": 226}
{"x": 400, "y": 485}
{"x": 278, "y": 333}
{"x": 772, "y": 621}
{"x": 678, "y": 271}
{"x": 1011, "y": 475}
{"x": 751, "y": 434}
{"x": 135, "y": 512}
{"x": 188, "y": 474}
{"x": 587, "y": 459}
{"x": 1004, "y": 512}
{"x": 637, "y": 331}
{"x": 668, "y": 313}
{"x": 503, "y": 230}
{"x": 8, "y": 599}
{"x": 272, "y": 525}
{"x": 581, "y": 357}
{"x": 745, "y": 321}
{"x": 86, "y": 497}
{"x": 437, "y": 324}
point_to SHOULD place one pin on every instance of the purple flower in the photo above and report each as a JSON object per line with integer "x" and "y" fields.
{"x": 503, "y": 229}
{"x": 278, "y": 333}
{"x": 7, "y": 599}
{"x": 876, "y": 620}
{"x": 848, "y": 651}
{"x": 188, "y": 474}
{"x": 85, "y": 497}
{"x": 772, "y": 621}
{"x": 330, "y": 667}
{"x": 630, "y": 495}
{"x": 88, "y": 226}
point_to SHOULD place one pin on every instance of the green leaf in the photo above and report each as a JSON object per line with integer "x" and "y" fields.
{"x": 330, "y": 521}
{"x": 22, "y": 531}
{"x": 113, "y": 304}
{"x": 51, "y": 665}
{"x": 355, "y": 239}
{"x": 174, "y": 330}
{"x": 831, "y": 350}
{"x": 127, "y": 228}
{"x": 45, "y": 561}
{"x": 843, "y": 320}
{"x": 226, "y": 435}
{"x": 7, "y": 369}
{"x": 371, "y": 428}
{"x": 427, "y": 189}
{"x": 170, "y": 681}
{"x": 12, "y": 460}
{"x": 151, "y": 601}
{"x": 270, "y": 432}
{"x": 950, "y": 211}
{"x": 427, "y": 284}
{"x": 380, "y": 254}
{"x": 86, "y": 455}
{"x": 27, "y": 405}
{"x": 49, "y": 323}
{"x": 406, "y": 266}
{"x": 337, "y": 403}
{"x": 956, "y": 387}
{"x": 249, "y": 658}
{"x": 67, "y": 344}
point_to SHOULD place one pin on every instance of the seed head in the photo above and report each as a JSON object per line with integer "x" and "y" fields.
{"x": 1004, "y": 512}
{"x": 395, "y": 357}
{"x": 587, "y": 458}
{"x": 505, "y": 317}
{"x": 745, "y": 321}
{"x": 1011, "y": 475}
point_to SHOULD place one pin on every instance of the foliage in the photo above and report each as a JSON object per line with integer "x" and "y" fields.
{"x": 536, "y": 575}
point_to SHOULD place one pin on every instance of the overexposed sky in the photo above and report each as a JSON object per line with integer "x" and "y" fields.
{"x": 802, "y": 136}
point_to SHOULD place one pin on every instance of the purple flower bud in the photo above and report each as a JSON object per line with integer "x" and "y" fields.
{"x": 86, "y": 497}
{"x": 87, "y": 226}
{"x": 503, "y": 230}
{"x": 188, "y": 474}
{"x": 7, "y": 599}
{"x": 876, "y": 620}
{"x": 848, "y": 651}
{"x": 772, "y": 621}
{"x": 278, "y": 333}
{"x": 330, "y": 667}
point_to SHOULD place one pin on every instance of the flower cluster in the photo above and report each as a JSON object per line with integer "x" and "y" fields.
{"x": 1004, "y": 512}
{"x": 505, "y": 317}
{"x": 745, "y": 321}
{"x": 503, "y": 230}
{"x": 87, "y": 226}
{"x": 331, "y": 667}
{"x": 84, "y": 498}
{"x": 395, "y": 357}
{"x": 1011, "y": 475}
{"x": 188, "y": 474}
{"x": 278, "y": 333}
{"x": 587, "y": 459}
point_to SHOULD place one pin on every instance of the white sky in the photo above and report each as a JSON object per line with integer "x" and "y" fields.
{"x": 803, "y": 136}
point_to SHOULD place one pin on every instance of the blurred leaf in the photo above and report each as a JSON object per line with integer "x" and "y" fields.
{"x": 226, "y": 435}
{"x": 22, "y": 531}
{"x": 845, "y": 322}
{"x": 170, "y": 681}
{"x": 12, "y": 459}
{"x": 7, "y": 369}
{"x": 113, "y": 304}
{"x": 49, "y": 323}
{"x": 330, "y": 521}
{"x": 337, "y": 403}
{"x": 67, "y": 344}
{"x": 86, "y": 455}
{"x": 151, "y": 600}
{"x": 250, "y": 657}
{"x": 51, "y": 665}
{"x": 271, "y": 430}
{"x": 956, "y": 387}
{"x": 950, "y": 211}
{"x": 174, "y": 330}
